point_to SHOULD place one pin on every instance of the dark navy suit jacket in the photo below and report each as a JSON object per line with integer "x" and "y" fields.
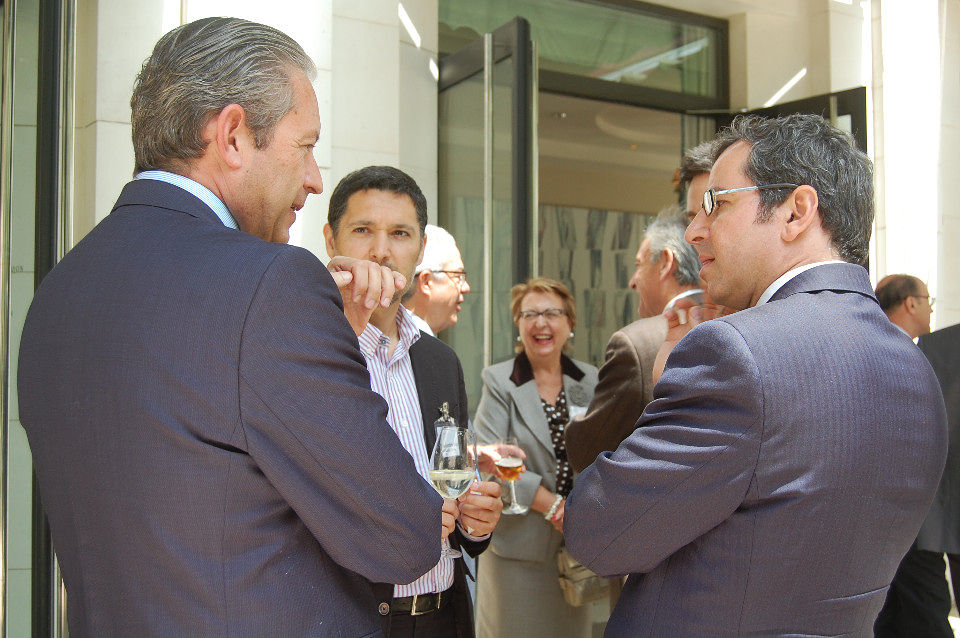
{"x": 783, "y": 470}
{"x": 209, "y": 452}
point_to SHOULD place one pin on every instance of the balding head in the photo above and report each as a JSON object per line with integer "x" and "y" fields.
{"x": 907, "y": 302}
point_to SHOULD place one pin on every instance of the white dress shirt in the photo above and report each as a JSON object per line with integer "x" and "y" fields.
{"x": 787, "y": 276}
{"x": 420, "y": 323}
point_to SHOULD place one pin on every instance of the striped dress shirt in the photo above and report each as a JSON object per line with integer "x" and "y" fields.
{"x": 393, "y": 380}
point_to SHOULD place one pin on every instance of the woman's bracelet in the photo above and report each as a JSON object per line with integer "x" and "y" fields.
{"x": 553, "y": 508}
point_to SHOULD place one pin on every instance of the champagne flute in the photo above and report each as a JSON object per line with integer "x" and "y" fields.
{"x": 452, "y": 467}
{"x": 509, "y": 468}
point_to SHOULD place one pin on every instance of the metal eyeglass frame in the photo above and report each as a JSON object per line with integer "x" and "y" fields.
{"x": 710, "y": 196}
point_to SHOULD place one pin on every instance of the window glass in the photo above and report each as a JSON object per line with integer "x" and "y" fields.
{"x": 596, "y": 41}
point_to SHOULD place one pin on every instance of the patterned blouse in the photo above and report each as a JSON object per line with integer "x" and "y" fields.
{"x": 557, "y": 418}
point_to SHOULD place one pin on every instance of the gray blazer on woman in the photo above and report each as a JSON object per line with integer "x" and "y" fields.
{"x": 509, "y": 409}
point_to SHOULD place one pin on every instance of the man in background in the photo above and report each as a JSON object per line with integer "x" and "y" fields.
{"x": 439, "y": 283}
{"x": 907, "y": 303}
{"x": 918, "y": 602}
{"x": 667, "y": 270}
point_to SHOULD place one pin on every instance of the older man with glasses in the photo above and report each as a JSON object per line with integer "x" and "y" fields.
{"x": 439, "y": 283}
{"x": 793, "y": 448}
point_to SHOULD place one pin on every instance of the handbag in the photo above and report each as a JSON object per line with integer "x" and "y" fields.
{"x": 579, "y": 585}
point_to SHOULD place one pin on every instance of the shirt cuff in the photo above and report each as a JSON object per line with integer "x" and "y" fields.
{"x": 469, "y": 536}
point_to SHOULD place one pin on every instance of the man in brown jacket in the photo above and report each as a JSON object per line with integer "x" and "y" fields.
{"x": 667, "y": 270}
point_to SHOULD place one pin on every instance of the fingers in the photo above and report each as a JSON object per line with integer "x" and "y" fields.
{"x": 480, "y": 508}
{"x": 342, "y": 277}
{"x": 512, "y": 450}
{"x": 448, "y": 517}
{"x": 672, "y": 317}
{"x": 557, "y": 520}
{"x": 399, "y": 281}
{"x": 490, "y": 454}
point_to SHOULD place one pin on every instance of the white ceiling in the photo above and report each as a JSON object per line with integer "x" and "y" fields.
{"x": 607, "y": 136}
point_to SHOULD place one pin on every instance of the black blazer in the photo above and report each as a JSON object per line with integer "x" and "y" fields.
{"x": 439, "y": 377}
{"x": 208, "y": 449}
{"x": 941, "y": 529}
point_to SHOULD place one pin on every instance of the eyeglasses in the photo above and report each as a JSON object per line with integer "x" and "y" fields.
{"x": 458, "y": 277}
{"x": 930, "y": 300}
{"x": 550, "y": 314}
{"x": 710, "y": 197}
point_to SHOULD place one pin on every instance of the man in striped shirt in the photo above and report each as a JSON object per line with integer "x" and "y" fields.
{"x": 379, "y": 213}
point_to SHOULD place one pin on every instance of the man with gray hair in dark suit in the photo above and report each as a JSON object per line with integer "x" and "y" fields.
{"x": 793, "y": 448}
{"x": 209, "y": 452}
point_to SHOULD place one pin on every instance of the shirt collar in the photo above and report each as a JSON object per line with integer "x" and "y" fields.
{"x": 685, "y": 293}
{"x": 419, "y": 322}
{"x": 196, "y": 189}
{"x": 787, "y": 276}
{"x": 523, "y": 371}
{"x": 372, "y": 337}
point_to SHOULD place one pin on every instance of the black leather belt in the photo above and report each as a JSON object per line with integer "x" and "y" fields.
{"x": 420, "y": 603}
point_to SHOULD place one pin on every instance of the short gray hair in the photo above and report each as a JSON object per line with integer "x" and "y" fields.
{"x": 440, "y": 245}
{"x": 806, "y": 149}
{"x": 666, "y": 232}
{"x": 198, "y": 69}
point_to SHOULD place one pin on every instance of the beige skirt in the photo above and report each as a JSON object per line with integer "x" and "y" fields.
{"x": 523, "y": 598}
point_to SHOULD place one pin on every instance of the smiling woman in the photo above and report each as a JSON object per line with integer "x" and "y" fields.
{"x": 532, "y": 397}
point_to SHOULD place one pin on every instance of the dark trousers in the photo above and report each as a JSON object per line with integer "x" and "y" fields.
{"x": 918, "y": 602}
{"x": 437, "y": 624}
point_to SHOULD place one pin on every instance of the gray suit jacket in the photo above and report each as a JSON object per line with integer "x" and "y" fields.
{"x": 783, "y": 469}
{"x": 208, "y": 449}
{"x": 506, "y": 409}
{"x": 941, "y": 529}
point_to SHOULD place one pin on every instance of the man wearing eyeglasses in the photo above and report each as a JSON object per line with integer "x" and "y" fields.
{"x": 907, "y": 302}
{"x": 439, "y": 283}
{"x": 792, "y": 448}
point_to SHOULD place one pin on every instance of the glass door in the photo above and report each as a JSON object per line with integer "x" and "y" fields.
{"x": 487, "y": 186}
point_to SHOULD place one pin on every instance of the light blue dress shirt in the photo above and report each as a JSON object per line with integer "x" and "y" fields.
{"x": 197, "y": 189}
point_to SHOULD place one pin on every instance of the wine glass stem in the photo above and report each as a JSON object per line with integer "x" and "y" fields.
{"x": 513, "y": 492}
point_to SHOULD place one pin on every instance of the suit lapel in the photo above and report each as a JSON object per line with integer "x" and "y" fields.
{"x": 423, "y": 378}
{"x": 528, "y": 405}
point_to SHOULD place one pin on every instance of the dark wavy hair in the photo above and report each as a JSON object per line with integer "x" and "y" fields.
{"x": 806, "y": 149}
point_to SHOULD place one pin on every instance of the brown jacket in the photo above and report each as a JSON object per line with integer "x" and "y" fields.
{"x": 624, "y": 388}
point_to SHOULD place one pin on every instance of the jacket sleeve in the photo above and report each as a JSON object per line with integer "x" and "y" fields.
{"x": 319, "y": 433}
{"x": 474, "y": 548}
{"x": 685, "y": 471}
{"x": 492, "y": 422}
{"x": 619, "y": 392}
